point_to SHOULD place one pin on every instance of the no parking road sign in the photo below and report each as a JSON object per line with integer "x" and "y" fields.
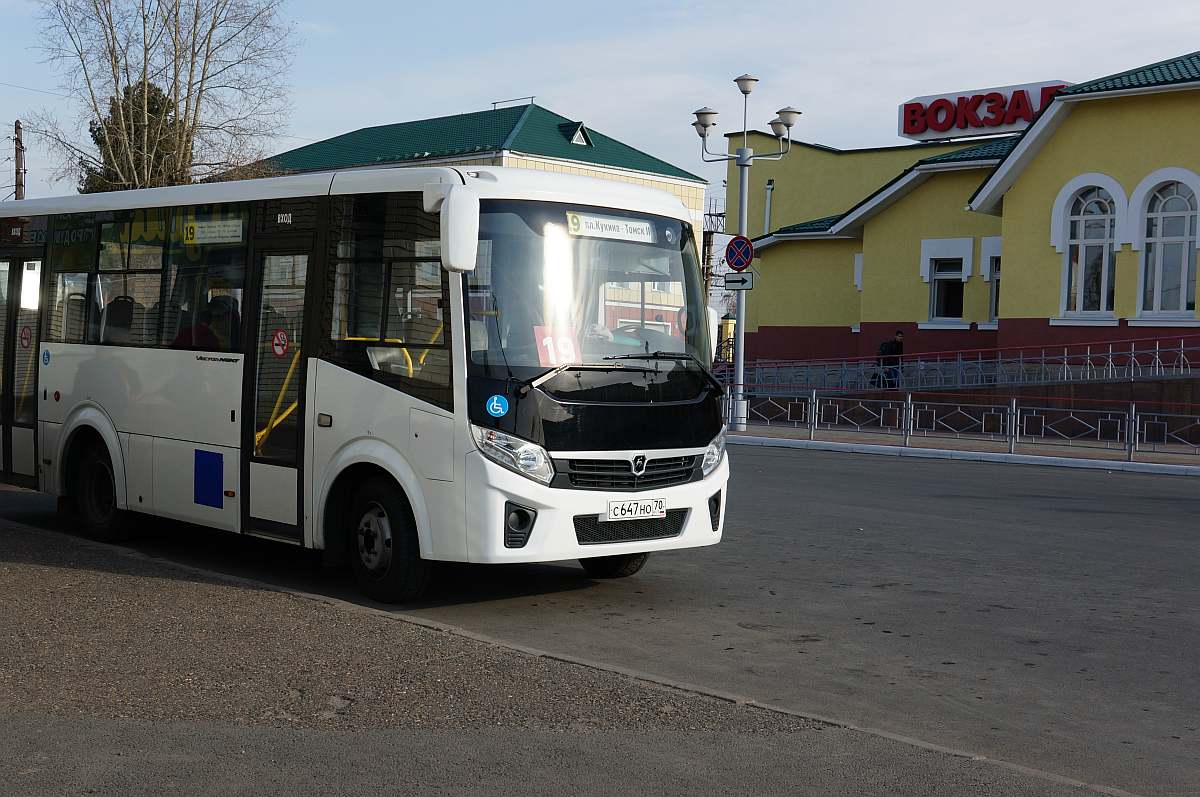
{"x": 739, "y": 253}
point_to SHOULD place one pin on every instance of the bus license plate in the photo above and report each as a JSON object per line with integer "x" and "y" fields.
{"x": 644, "y": 509}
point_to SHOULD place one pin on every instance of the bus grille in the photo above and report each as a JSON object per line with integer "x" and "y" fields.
{"x": 590, "y": 530}
{"x": 617, "y": 474}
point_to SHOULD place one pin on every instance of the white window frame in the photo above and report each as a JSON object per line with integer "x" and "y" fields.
{"x": 994, "y": 291}
{"x": 1152, "y": 255}
{"x": 935, "y": 279}
{"x": 989, "y": 261}
{"x": 1109, "y": 243}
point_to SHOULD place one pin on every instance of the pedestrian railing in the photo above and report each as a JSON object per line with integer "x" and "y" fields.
{"x": 903, "y": 419}
{"x": 1104, "y": 362}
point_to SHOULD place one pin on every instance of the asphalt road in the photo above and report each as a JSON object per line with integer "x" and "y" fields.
{"x": 1045, "y": 617}
{"x": 124, "y": 674}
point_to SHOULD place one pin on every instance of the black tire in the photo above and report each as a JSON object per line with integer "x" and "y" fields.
{"x": 95, "y": 496}
{"x": 383, "y": 546}
{"x": 620, "y": 566}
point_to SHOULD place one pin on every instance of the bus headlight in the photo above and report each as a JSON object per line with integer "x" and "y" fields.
{"x": 520, "y": 456}
{"x": 713, "y": 454}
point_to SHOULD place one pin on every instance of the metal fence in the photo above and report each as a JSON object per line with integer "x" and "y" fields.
{"x": 1156, "y": 359}
{"x": 1012, "y": 424}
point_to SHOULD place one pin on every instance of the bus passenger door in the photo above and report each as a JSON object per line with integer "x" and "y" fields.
{"x": 20, "y": 292}
{"x": 273, "y": 412}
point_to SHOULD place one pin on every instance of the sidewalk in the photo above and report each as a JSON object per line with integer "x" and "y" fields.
{"x": 968, "y": 447}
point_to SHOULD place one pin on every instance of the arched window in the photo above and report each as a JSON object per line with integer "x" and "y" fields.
{"x": 1091, "y": 263}
{"x": 1169, "y": 259}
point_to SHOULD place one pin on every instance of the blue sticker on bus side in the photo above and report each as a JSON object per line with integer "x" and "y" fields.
{"x": 46, "y": 357}
{"x": 208, "y": 479}
{"x": 497, "y": 406}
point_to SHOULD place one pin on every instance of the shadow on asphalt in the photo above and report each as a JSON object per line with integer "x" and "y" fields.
{"x": 289, "y": 566}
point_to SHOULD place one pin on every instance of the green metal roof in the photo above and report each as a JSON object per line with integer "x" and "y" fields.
{"x": 992, "y": 149}
{"x": 810, "y": 226}
{"x": 528, "y": 129}
{"x": 1182, "y": 69}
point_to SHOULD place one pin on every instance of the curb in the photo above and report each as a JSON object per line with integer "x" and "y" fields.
{"x": 970, "y": 456}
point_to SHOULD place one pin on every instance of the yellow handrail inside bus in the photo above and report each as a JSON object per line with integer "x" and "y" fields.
{"x": 261, "y": 436}
{"x": 432, "y": 339}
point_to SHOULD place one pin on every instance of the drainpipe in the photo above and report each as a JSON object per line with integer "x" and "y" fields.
{"x": 767, "y": 206}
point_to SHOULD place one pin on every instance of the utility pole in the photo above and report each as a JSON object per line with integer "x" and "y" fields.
{"x": 19, "y": 158}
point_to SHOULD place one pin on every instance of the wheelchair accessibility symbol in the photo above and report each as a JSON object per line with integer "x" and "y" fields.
{"x": 497, "y": 406}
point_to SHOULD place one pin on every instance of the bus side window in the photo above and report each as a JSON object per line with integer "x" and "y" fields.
{"x": 71, "y": 258}
{"x": 205, "y": 278}
{"x": 387, "y": 306}
{"x": 129, "y": 279}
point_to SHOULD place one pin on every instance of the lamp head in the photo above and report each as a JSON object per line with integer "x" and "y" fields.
{"x": 746, "y": 83}
{"x": 701, "y": 130}
{"x": 789, "y": 116}
{"x": 778, "y": 128}
{"x": 706, "y": 116}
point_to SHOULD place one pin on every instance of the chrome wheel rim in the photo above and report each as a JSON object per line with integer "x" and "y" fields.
{"x": 375, "y": 539}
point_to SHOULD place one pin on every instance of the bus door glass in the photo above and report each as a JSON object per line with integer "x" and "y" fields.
{"x": 278, "y": 395}
{"x": 21, "y": 304}
{"x": 5, "y": 274}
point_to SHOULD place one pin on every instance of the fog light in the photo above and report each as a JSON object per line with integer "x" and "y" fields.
{"x": 518, "y": 524}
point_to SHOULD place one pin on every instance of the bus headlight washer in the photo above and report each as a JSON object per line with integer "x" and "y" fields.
{"x": 781, "y": 126}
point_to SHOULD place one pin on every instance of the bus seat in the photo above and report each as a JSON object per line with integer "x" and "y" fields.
{"x": 116, "y": 324}
{"x": 226, "y": 319}
{"x": 74, "y": 315}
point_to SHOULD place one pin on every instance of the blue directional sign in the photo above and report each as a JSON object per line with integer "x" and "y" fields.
{"x": 739, "y": 253}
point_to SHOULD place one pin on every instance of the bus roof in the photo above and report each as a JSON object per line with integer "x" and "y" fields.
{"x": 491, "y": 182}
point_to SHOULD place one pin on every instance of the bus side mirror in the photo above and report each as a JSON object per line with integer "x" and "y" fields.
{"x": 714, "y": 329}
{"x": 460, "y": 229}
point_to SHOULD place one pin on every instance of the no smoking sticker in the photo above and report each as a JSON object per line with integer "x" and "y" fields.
{"x": 26, "y": 337}
{"x": 279, "y": 342}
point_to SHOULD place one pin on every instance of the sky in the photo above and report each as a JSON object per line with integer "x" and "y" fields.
{"x": 636, "y": 70}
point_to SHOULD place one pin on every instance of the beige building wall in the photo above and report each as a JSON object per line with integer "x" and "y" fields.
{"x": 813, "y": 181}
{"x": 691, "y": 193}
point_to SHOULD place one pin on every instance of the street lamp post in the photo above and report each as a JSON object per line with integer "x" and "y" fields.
{"x": 781, "y": 126}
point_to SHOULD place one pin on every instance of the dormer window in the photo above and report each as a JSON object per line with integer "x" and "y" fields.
{"x": 576, "y": 133}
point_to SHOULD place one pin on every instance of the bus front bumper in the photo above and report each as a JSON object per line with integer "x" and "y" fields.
{"x": 491, "y": 488}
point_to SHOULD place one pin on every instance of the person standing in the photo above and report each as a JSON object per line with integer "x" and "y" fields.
{"x": 890, "y": 352}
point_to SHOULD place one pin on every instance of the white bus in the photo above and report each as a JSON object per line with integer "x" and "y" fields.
{"x": 396, "y": 366}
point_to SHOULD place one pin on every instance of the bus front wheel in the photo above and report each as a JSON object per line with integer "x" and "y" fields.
{"x": 96, "y": 496}
{"x": 619, "y": 566}
{"x": 384, "y": 549}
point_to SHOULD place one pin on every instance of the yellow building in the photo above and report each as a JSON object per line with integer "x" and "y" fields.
{"x": 1092, "y": 210}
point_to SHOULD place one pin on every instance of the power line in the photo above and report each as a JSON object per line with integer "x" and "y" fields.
{"x": 31, "y": 88}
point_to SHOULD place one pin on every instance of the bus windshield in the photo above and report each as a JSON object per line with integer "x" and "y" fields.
{"x": 562, "y": 284}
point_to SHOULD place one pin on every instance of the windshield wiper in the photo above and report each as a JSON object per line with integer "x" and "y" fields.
{"x": 674, "y": 355}
{"x": 537, "y": 381}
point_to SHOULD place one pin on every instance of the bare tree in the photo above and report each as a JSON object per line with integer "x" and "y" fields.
{"x": 221, "y": 66}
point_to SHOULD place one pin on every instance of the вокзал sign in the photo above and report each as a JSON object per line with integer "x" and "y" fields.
{"x": 982, "y": 112}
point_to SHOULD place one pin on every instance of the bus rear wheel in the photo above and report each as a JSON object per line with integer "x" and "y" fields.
{"x": 96, "y": 496}
{"x": 384, "y": 549}
{"x": 620, "y": 566}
